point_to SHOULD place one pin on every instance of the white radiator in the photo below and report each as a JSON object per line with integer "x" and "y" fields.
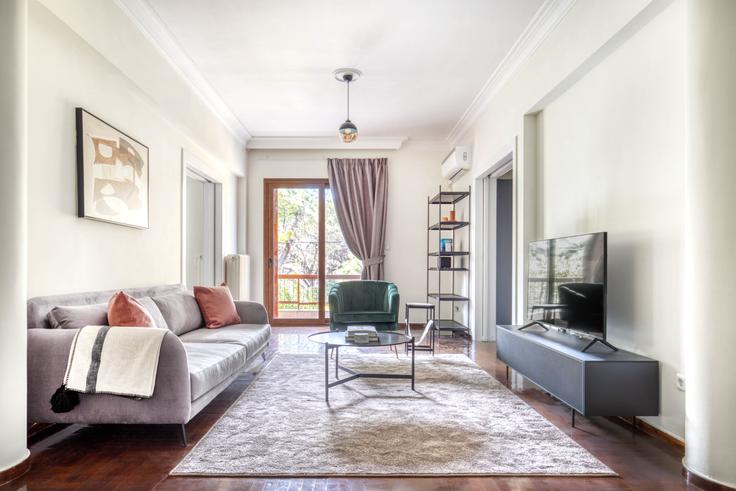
{"x": 237, "y": 275}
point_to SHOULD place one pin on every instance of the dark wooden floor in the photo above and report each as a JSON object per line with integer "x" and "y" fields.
{"x": 140, "y": 457}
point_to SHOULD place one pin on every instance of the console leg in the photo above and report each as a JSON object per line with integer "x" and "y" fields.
{"x": 598, "y": 340}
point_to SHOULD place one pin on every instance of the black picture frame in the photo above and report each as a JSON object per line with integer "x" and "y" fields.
{"x": 84, "y": 176}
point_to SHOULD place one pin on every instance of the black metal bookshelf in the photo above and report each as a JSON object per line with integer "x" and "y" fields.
{"x": 454, "y": 262}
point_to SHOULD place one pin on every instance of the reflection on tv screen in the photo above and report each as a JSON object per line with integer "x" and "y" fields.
{"x": 567, "y": 283}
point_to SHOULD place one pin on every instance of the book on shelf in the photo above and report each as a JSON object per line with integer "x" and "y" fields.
{"x": 361, "y": 334}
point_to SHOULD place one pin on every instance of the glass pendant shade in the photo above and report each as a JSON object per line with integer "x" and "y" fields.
{"x": 348, "y": 131}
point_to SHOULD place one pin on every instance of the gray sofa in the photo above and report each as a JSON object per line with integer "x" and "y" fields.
{"x": 195, "y": 363}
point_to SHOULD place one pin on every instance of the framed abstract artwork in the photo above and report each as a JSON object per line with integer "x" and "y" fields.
{"x": 112, "y": 173}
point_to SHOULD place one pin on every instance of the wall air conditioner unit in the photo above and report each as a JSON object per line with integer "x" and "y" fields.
{"x": 237, "y": 276}
{"x": 456, "y": 163}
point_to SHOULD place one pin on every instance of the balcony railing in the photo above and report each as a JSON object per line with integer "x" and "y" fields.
{"x": 295, "y": 293}
{"x": 538, "y": 289}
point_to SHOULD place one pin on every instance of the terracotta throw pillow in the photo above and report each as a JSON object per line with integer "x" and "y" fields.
{"x": 124, "y": 310}
{"x": 217, "y": 306}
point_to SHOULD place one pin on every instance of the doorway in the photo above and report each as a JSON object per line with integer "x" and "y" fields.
{"x": 305, "y": 253}
{"x": 504, "y": 248}
{"x": 201, "y": 224}
{"x": 495, "y": 245}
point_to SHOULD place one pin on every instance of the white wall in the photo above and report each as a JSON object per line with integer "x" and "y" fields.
{"x": 614, "y": 160}
{"x": 610, "y": 146}
{"x": 76, "y": 62}
{"x": 414, "y": 173}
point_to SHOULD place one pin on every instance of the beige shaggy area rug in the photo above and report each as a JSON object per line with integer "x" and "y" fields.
{"x": 459, "y": 421}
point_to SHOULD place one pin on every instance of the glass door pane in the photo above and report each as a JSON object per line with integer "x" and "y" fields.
{"x": 340, "y": 263}
{"x": 296, "y": 253}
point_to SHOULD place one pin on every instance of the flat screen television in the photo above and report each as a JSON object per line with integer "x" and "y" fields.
{"x": 566, "y": 286}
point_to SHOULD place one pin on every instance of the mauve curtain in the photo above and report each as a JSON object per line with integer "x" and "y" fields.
{"x": 359, "y": 190}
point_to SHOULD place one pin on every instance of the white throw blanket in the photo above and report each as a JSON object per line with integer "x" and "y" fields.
{"x": 114, "y": 360}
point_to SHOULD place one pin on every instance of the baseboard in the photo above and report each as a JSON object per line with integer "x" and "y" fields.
{"x": 650, "y": 430}
{"x": 16, "y": 471}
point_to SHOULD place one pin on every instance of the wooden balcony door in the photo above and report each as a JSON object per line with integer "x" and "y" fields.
{"x": 304, "y": 251}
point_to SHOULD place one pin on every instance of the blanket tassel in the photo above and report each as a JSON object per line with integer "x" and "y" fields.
{"x": 64, "y": 400}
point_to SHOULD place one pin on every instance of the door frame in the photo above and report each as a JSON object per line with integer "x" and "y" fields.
{"x": 485, "y": 245}
{"x": 194, "y": 167}
{"x": 269, "y": 185}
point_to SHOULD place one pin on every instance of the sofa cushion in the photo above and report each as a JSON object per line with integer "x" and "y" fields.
{"x": 181, "y": 312}
{"x": 78, "y": 316}
{"x": 251, "y": 336}
{"x": 155, "y": 312}
{"x": 38, "y": 308}
{"x": 125, "y": 311}
{"x": 217, "y": 306}
{"x": 211, "y": 364}
{"x": 363, "y": 316}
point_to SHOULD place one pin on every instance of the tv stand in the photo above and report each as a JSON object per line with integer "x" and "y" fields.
{"x": 599, "y": 340}
{"x": 534, "y": 323}
{"x": 590, "y": 379}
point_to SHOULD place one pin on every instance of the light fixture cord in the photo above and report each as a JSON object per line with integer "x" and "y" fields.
{"x": 348, "y": 100}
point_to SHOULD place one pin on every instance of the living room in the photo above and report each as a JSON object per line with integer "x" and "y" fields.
{"x": 401, "y": 245}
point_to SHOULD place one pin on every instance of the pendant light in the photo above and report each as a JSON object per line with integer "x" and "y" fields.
{"x": 348, "y": 130}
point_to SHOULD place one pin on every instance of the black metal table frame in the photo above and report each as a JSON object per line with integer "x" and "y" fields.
{"x": 355, "y": 375}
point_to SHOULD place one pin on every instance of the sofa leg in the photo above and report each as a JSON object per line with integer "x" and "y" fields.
{"x": 263, "y": 355}
{"x": 183, "y": 435}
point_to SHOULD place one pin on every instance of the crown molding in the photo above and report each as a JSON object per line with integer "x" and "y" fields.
{"x": 324, "y": 143}
{"x": 151, "y": 25}
{"x": 542, "y": 24}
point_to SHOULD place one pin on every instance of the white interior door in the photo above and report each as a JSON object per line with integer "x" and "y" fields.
{"x": 200, "y": 235}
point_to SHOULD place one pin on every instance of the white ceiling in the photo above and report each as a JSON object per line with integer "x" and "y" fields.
{"x": 271, "y": 62}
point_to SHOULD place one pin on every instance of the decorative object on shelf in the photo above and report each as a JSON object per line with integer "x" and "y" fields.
{"x": 348, "y": 130}
{"x": 112, "y": 173}
{"x": 449, "y": 253}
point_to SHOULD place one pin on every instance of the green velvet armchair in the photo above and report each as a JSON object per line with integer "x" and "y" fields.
{"x": 368, "y": 302}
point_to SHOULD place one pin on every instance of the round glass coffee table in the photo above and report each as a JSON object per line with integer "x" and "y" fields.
{"x": 336, "y": 340}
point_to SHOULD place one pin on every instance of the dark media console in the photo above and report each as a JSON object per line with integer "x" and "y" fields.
{"x": 596, "y": 382}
